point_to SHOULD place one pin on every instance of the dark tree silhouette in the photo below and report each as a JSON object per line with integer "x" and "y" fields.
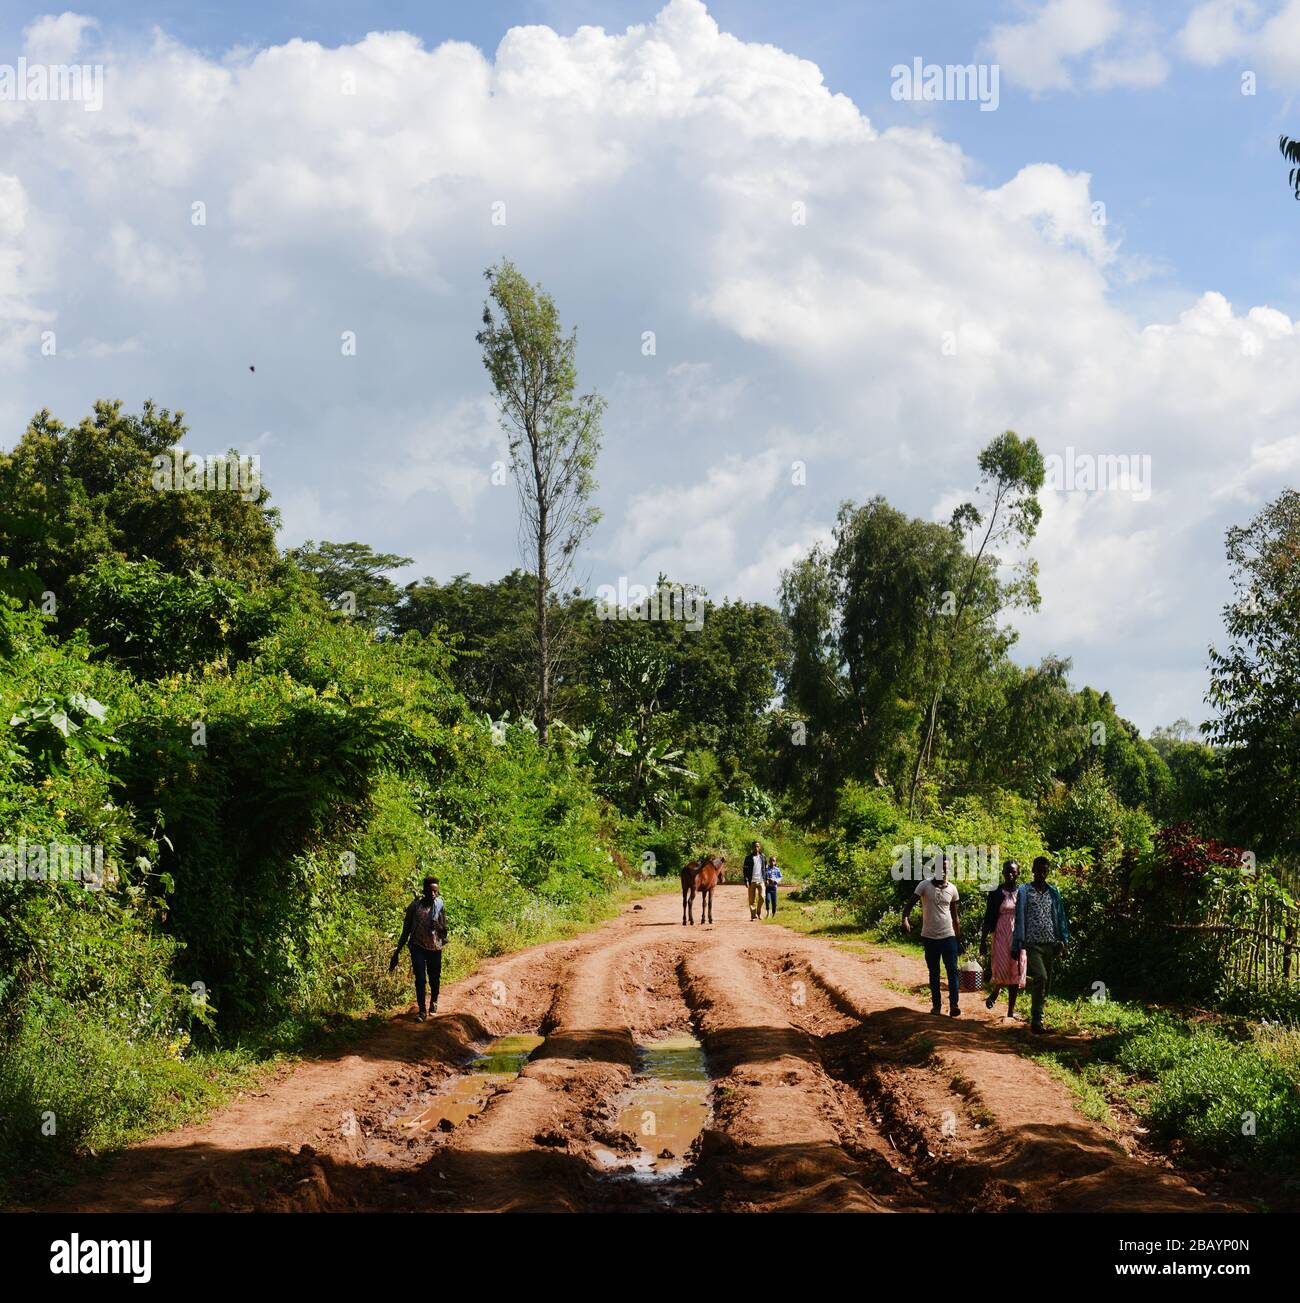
{"x": 1291, "y": 152}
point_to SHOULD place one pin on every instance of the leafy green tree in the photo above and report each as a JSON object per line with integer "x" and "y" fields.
{"x": 353, "y": 578}
{"x": 806, "y": 736}
{"x": 865, "y": 625}
{"x": 1017, "y": 732}
{"x": 1011, "y": 473}
{"x": 554, "y": 439}
{"x": 492, "y": 631}
{"x": 1198, "y": 793}
{"x": 892, "y": 573}
{"x": 1088, "y": 813}
{"x": 723, "y": 669}
{"x": 1132, "y": 765}
{"x": 70, "y": 496}
{"x": 632, "y": 737}
{"x": 1255, "y": 682}
{"x": 157, "y": 623}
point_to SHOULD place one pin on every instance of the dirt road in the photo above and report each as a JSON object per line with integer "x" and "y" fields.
{"x": 829, "y": 1087}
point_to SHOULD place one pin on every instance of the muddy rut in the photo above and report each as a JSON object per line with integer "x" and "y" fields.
{"x": 645, "y": 1067}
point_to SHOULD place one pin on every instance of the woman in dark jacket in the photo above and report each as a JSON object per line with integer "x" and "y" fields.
{"x": 1005, "y": 969}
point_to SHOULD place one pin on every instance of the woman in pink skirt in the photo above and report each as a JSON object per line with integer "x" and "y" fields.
{"x": 1000, "y": 920}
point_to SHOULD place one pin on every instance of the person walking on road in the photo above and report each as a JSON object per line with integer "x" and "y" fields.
{"x": 1041, "y": 933}
{"x": 771, "y": 877}
{"x": 1000, "y": 923}
{"x": 754, "y": 868}
{"x": 425, "y": 925}
{"x": 940, "y": 933}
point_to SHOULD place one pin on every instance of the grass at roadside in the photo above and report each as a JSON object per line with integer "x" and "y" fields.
{"x": 149, "y": 1087}
{"x": 826, "y": 918}
{"x": 1209, "y": 1091}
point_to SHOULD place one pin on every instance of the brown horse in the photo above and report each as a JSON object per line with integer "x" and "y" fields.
{"x": 702, "y": 876}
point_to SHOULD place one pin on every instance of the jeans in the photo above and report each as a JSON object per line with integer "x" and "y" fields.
{"x": 946, "y": 949}
{"x": 426, "y": 961}
{"x": 1041, "y": 962}
{"x": 771, "y": 897}
{"x": 755, "y": 898}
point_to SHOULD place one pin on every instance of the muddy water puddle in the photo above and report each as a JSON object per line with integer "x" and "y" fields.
{"x": 665, "y": 1109}
{"x": 468, "y": 1095}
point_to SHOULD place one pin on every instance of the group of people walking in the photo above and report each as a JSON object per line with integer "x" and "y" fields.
{"x": 1024, "y": 933}
{"x": 762, "y": 874}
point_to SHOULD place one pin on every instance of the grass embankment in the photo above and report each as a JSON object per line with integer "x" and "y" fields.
{"x": 1203, "y": 1089}
{"x": 135, "y": 1095}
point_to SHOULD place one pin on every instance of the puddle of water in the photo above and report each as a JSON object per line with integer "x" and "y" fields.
{"x": 666, "y": 1108}
{"x": 468, "y": 1095}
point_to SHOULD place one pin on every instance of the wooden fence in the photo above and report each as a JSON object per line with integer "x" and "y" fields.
{"x": 1255, "y": 951}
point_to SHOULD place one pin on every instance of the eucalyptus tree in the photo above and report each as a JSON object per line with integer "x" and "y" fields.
{"x": 554, "y": 439}
{"x": 1011, "y": 474}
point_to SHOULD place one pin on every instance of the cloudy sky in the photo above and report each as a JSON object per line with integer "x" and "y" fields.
{"x": 867, "y": 285}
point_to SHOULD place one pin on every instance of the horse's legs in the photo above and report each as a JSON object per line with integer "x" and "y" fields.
{"x": 683, "y": 907}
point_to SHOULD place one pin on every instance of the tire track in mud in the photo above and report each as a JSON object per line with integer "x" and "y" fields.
{"x": 319, "y": 1136}
{"x": 829, "y": 1093}
{"x": 783, "y": 1136}
{"x": 533, "y": 1145}
{"x": 526, "y": 1150}
{"x": 986, "y": 1128}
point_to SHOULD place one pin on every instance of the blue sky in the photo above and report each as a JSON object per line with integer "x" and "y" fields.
{"x": 649, "y": 178}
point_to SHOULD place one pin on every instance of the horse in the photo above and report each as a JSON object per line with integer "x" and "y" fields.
{"x": 702, "y": 876}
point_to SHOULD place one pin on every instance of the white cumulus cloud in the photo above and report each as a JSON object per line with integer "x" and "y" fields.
{"x": 819, "y": 291}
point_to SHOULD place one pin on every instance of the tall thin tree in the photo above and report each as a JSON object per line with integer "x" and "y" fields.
{"x": 554, "y": 437}
{"x": 1011, "y": 473}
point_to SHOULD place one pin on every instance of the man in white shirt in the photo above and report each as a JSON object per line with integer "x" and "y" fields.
{"x": 940, "y": 932}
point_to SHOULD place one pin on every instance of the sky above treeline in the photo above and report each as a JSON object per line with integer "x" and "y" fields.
{"x": 796, "y": 281}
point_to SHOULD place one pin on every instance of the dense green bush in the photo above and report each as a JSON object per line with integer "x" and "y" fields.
{"x": 1087, "y": 813}
{"x": 1137, "y": 915}
{"x": 871, "y": 853}
{"x": 263, "y": 820}
{"x": 159, "y": 623}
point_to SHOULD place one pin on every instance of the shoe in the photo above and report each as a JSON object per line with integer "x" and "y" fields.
{"x": 937, "y": 1010}
{"x": 954, "y": 1012}
{"x": 990, "y": 1002}
{"x": 419, "y": 1017}
{"x": 433, "y": 1008}
{"x": 1038, "y": 1029}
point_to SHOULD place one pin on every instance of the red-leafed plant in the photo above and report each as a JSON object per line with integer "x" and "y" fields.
{"x": 1184, "y": 866}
